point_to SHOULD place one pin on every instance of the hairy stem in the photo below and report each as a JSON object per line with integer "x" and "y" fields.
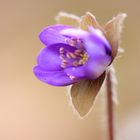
{"x": 110, "y": 107}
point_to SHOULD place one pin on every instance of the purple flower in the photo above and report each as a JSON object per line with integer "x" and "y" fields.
{"x": 72, "y": 54}
{"x": 79, "y": 52}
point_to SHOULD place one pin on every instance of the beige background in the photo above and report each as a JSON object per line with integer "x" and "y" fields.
{"x": 32, "y": 110}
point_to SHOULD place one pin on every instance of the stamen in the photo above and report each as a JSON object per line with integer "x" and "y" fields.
{"x": 83, "y": 59}
{"x": 75, "y": 63}
{"x": 80, "y": 62}
{"x": 78, "y": 52}
{"x": 61, "y": 50}
{"x": 80, "y": 43}
{"x": 71, "y": 55}
{"x": 64, "y": 63}
{"x": 72, "y": 42}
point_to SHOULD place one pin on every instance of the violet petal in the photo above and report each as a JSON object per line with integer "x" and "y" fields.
{"x": 73, "y": 32}
{"x": 77, "y": 72}
{"x": 96, "y": 65}
{"x": 51, "y": 35}
{"x": 94, "y": 45}
{"x": 99, "y": 37}
{"x": 49, "y": 59}
{"x": 56, "y": 78}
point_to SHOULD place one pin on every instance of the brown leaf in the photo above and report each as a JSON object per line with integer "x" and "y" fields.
{"x": 83, "y": 94}
{"x": 113, "y": 31}
{"x": 68, "y": 19}
{"x": 89, "y": 20}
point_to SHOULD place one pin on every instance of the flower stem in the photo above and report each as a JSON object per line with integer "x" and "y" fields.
{"x": 110, "y": 106}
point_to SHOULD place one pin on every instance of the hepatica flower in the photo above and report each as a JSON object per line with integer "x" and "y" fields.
{"x": 78, "y": 52}
{"x": 72, "y": 54}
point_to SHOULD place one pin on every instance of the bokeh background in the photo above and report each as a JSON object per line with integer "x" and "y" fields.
{"x": 32, "y": 110}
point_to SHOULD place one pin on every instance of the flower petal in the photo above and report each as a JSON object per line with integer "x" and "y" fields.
{"x": 56, "y": 78}
{"x": 51, "y": 35}
{"x": 96, "y": 65}
{"x": 73, "y": 32}
{"x": 77, "y": 72}
{"x": 100, "y": 37}
{"x": 48, "y": 59}
{"x": 96, "y": 43}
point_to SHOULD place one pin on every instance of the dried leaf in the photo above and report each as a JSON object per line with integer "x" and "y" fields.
{"x": 68, "y": 19}
{"x": 89, "y": 20}
{"x": 83, "y": 94}
{"x": 113, "y": 31}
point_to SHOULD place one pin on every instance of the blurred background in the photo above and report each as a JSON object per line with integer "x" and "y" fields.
{"x": 32, "y": 110}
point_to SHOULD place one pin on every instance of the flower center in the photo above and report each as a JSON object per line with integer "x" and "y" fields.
{"x": 75, "y": 57}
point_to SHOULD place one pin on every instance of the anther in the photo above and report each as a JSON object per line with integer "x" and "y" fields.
{"x": 75, "y": 63}
{"x": 81, "y": 62}
{"x": 78, "y": 52}
{"x": 82, "y": 55}
{"x": 64, "y": 63}
{"x": 72, "y": 42}
{"x": 80, "y": 43}
{"x": 61, "y": 50}
{"x": 71, "y": 55}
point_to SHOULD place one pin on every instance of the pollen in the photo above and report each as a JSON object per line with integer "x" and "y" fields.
{"x": 61, "y": 50}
